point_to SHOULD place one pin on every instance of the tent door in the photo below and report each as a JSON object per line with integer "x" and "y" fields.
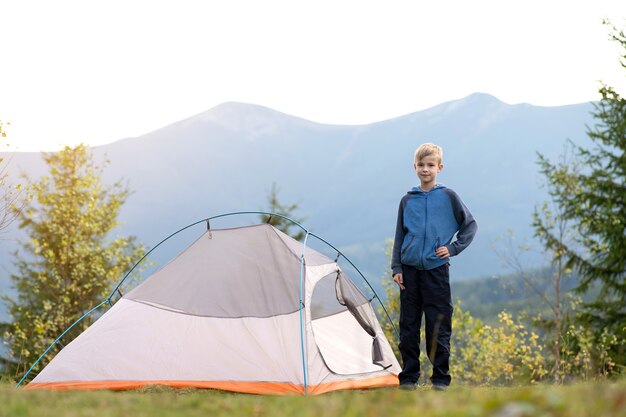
{"x": 342, "y": 327}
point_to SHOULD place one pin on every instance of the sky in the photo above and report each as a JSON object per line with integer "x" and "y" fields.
{"x": 98, "y": 71}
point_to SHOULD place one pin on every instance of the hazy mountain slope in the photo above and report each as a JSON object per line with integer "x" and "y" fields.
{"x": 348, "y": 180}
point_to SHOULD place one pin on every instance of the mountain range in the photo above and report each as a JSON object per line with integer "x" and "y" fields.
{"x": 347, "y": 180}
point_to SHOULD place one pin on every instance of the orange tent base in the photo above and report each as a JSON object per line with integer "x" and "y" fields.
{"x": 276, "y": 388}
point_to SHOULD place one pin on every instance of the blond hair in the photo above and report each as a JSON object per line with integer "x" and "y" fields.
{"x": 427, "y": 149}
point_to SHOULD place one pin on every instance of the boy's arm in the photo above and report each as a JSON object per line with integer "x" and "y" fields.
{"x": 396, "y": 265}
{"x": 467, "y": 225}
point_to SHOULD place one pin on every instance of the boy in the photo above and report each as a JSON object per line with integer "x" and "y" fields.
{"x": 428, "y": 218}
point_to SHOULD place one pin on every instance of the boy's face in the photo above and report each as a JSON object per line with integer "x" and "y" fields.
{"x": 427, "y": 169}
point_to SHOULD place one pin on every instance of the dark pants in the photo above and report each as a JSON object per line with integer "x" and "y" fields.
{"x": 428, "y": 293}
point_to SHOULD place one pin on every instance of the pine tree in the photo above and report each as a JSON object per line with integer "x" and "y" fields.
{"x": 597, "y": 206}
{"x": 282, "y": 224}
{"x": 70, "y": 261}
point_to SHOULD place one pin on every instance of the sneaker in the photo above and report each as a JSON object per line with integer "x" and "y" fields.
{"x": 407, "y": 386}
{"x": 440, "y": 387}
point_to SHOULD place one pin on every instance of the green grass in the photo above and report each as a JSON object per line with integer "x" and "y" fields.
{"x": 583, "y": 399}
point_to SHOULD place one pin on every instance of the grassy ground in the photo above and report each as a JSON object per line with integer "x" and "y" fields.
{"x": 584, "y": 399}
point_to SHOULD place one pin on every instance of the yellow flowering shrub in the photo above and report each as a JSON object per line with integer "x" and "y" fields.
{"x": 494, "y": 355}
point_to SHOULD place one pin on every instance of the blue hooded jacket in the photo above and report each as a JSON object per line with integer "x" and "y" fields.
{"x": 426, "y": 221}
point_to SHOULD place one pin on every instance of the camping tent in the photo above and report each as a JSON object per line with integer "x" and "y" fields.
{"x": 245, "y": 309}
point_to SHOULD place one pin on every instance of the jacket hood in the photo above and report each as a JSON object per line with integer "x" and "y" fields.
{"x": 418, "y": 190}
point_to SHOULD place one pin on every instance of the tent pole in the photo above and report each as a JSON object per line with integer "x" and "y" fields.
{"x": 302, "y": 270}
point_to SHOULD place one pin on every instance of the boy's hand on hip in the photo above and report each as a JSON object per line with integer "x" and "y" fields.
{"x": 442, "y": 252}
{"x": 397, "y": 278}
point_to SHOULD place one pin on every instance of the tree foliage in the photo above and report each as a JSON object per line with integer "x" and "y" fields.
{"x": 69, "y": 262}
{"x": 591, "y": 195}
{"x": 554, "y": 227}
{"x": 9, "y": 193}
{"x": 505, "y": 354}
{"x": 282, "y": 224}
